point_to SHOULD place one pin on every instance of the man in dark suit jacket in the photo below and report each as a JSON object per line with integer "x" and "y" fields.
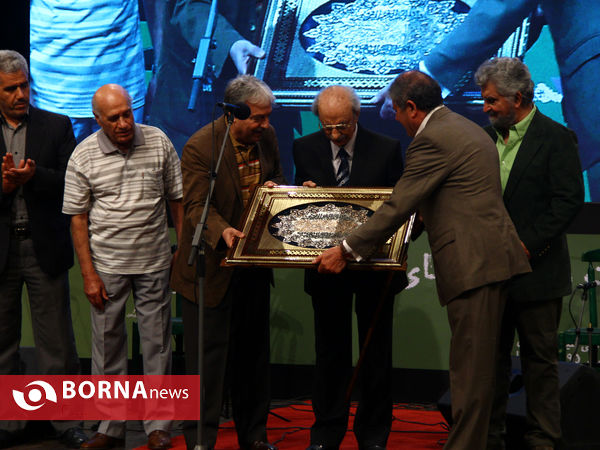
{"x": 35, "y": 244}
{"x": 543, "y": 191}
{"x": 574, "y": 30}
{"x": 373, "y": 160}
{"x": 236, "y": 301}
{"x": 451, "y": 177}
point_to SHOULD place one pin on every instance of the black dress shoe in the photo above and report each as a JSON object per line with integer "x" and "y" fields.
{"x": 73, "y": 437}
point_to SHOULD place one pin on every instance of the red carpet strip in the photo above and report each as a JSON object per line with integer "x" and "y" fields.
{"x": 413, "y": 428}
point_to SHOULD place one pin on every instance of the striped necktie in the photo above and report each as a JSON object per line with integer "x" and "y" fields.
{"x": 343, "y": 174}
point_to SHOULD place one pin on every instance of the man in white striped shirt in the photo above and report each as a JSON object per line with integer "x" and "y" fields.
{"x": 116, "y": 186}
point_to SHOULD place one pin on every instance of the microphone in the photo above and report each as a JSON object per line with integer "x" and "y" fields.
{"x": 588, "y": 285}
{"x": 239, "y": 110}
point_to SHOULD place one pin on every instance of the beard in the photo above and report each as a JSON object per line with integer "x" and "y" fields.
{"x": 503, "y": 122}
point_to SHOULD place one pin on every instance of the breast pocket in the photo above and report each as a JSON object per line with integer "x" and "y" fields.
{"x": 153, "y": 184}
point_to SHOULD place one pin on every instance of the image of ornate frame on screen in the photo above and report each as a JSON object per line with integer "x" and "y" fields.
{"x": 312, "y": 44}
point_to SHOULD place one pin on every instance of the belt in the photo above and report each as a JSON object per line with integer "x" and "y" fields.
{"x": 20, "y": 231}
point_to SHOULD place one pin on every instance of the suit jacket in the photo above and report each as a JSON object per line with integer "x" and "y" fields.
{"x": 377, "y": 161}
{"x": 543, "y": 194}
{"x": 225, "y": 210}
{"x": 451, "y": 176}
{"x": 49, "y": 141}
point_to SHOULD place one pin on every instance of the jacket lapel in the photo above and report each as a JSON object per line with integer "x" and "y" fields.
{"x": 359, "y": 158}
{"x": 229, "y": 165}
{"x": 2, "y": 145}
{"x": 31, "y": 138}
{"x": 323, "y": 155}
{"x": 264, "y": 163}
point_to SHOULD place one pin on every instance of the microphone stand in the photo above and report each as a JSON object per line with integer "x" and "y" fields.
{"x": 198, "y": 251}
{"x": 590, "y": 329}
{"x": 200, "y": 68}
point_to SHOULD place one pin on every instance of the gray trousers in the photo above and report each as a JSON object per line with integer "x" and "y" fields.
{"x": 475, "y": 318}
{"x": 152, "y": 299}
{"x": 49, "y": 301}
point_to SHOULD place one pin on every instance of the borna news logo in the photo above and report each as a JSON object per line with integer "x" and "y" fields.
{"x": 100, "y": 397}
{"x": 35, "y": 396}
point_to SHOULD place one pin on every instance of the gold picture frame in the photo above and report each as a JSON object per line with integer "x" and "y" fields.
{"x": 288, "y": 226}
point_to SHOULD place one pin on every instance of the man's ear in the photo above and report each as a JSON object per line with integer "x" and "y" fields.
{"x": 411, "y": 108}
{"x": 518, "y": 99}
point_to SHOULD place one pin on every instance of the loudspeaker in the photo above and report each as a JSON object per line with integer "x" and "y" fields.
{"x": 579, "y": 402}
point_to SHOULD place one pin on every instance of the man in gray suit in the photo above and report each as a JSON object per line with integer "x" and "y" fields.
{"x": 451, "y": 176}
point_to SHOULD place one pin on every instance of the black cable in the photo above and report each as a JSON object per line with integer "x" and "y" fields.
{"x": 570, "y": 310}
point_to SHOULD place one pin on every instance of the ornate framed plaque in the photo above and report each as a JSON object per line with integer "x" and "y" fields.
{"x": 288, "y": 226}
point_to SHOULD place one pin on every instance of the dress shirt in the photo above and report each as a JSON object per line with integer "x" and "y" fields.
{"x": 508, "y": 151}
{"x": 14, "y": 140}
{"x": 349, "y": 147}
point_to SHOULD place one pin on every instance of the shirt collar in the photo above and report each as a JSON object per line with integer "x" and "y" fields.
{"x": 238, "y": 145}
{"x": 426, "y": 119}
{"x": 108, "y": 147}
{"x": 349, "y": 147}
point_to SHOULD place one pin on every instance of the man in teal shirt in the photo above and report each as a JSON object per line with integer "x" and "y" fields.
{"x": 543, "y": 190}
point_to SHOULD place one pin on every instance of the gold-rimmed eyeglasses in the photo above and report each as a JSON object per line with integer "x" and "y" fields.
{"x": 341, "y": 127}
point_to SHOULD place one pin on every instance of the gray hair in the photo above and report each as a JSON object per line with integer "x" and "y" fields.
{"x": 509, "y": 75}
{"x": 248, "y": 88}
{"x": 350, "y": 94}
{"x": 11, "y": 62}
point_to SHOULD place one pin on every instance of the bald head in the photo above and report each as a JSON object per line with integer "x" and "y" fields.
{"x": 107, "y": 95}
{"x": 338, "y": 108}
{"x": 111, "y": 105}
{"x": 337, "y": 96}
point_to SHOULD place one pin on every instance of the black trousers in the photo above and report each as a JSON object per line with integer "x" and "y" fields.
{"x": 49, "y": 300}
{"x": 537, "y": 324}
{"x": 333, "y": 345}
{"x": 236, "y": 357}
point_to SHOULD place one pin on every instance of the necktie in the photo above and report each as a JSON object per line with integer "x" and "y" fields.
{"x": 343, "y": 173}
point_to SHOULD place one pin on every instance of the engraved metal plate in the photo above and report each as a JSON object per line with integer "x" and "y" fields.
{"x": 288, "y": 226}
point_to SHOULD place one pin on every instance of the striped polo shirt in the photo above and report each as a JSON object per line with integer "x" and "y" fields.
{"x": 78, "y": 46}
{"x": 124, "y": 194}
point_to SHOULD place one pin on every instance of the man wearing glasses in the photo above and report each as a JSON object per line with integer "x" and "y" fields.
{"x": 343, "y": 153}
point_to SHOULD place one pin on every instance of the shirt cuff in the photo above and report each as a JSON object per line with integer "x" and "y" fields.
{"x": 348, "y": 249}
